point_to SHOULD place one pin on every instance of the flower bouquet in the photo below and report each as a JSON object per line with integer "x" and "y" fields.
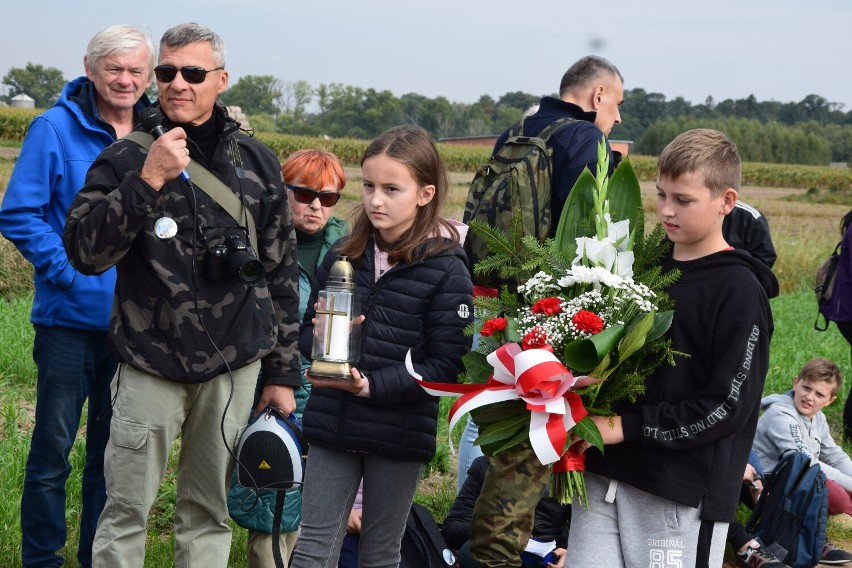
{"x": 580, "y": 332}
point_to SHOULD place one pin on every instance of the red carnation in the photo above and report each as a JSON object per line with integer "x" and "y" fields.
{"x": 493, "y": 325}
{"x": 588, "y": 322}
{"x": 548, "y": 306}
{"x": 536, "y": 338}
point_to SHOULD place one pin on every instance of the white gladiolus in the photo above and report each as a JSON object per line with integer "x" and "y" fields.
{"x": 624, "y": 264}
{"x": 618, "y": 232}
{"x": 599, "y": 253}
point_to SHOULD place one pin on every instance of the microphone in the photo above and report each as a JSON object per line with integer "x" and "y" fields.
{"x": 151, "y": 120}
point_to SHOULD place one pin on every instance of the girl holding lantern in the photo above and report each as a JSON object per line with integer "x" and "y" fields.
{"x": 411, "y": 275}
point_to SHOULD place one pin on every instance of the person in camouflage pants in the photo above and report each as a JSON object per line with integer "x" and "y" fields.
{"x": 189, "y": 341}
{"x": 503, "y": 515}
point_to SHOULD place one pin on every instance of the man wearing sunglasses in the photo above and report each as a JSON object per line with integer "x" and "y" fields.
{"x": 190, "y": 343}
{"x": 70, "y": 311}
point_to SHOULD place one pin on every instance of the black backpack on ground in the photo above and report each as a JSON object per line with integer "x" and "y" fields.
{"x": 422, "y": 543}
{"x": 791, "y": 514}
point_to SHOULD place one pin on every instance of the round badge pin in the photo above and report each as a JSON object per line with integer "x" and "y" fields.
{"x": 165, "y": 228}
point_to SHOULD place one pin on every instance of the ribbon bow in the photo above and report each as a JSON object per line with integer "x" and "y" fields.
{"x": 535, "y": 376}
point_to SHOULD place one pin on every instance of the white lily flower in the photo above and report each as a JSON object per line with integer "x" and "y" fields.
{"x": 624, "y": 264}
{"x": 600, "y": 253}
{"x": 618, "y": 232}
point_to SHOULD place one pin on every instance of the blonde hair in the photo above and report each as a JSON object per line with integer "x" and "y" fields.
{"x": 708, "y": 152}
{"x": 822, "y": 370}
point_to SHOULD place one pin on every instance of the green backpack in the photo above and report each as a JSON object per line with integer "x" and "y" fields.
{"x": 516, "y": 178}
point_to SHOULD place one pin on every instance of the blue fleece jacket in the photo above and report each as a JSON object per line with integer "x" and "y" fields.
{"x": 59, "y": 147}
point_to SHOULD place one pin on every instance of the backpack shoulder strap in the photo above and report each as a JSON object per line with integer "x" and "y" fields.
{"x": 518, "y": 128}
{"x": 209, "y": 184}
{"x": 551, "y": 128}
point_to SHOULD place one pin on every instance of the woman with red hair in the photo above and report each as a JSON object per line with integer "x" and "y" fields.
{"x": 314, "y": 179}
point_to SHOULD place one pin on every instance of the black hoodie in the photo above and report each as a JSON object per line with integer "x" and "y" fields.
{"x": 688, "y": 437}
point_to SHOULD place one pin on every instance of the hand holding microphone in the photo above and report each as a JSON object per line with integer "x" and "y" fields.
{"x": 168, "y": 156}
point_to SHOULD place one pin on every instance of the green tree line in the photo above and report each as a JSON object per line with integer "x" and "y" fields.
{"x": 811, "y": 131}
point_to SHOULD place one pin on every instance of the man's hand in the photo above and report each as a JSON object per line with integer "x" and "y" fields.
{"x": 166, "y": 159}
{"x": 279, "y": 396}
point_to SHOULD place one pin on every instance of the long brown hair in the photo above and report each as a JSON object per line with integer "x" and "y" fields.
{"x": 412, "y": 146}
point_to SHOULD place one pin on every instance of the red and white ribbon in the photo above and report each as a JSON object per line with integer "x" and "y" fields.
{"x": 535, "y": 376}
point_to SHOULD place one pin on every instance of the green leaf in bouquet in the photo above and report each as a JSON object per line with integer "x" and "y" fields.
{"x": 577, "y": 209}
{"x": 511, "y": 332}
{"x": 662, "y": 323}
{"x": 498, "y": 411}
{"x": 477, "y": 367}
{"x": 588, "y": 431}
{"x": 585, "y": 354}
{"x": 495, "y": 448}
{"x": 487, "y": 344}
{"x": 625, "y": 194}
{"x": 636, "y": 336}
{"x": 503, "y": 430}
{"x": 603, "y": 370}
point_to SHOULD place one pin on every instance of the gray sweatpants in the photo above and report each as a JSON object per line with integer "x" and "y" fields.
{"x": 633, "y": 529}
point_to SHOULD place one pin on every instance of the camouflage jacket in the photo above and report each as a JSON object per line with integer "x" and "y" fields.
{"x": 168, "y": 318}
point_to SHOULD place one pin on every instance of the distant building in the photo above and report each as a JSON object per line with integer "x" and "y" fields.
{"x": 22, "y": 101}
{"x": 622, "y": 146}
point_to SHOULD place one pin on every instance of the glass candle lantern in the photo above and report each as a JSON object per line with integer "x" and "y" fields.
{"x": 337, "y": 341}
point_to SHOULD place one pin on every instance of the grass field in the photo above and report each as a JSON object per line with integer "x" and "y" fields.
{"x": 804, "y": 230}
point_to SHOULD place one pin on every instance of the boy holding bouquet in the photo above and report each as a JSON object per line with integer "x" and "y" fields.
{"x": 667, "y": 485}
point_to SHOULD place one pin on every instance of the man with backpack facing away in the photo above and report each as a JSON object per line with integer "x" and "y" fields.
{"x": 535, "y": 176}
{"x": 590, "y": 93}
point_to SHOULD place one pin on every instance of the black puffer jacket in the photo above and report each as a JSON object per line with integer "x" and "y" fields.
{"x": 423, "y": 306}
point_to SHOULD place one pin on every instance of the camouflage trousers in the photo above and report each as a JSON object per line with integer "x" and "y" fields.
{"x": 503, "y": 515}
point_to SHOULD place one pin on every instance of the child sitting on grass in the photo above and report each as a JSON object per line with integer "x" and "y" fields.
{"x": 795, "y": 421}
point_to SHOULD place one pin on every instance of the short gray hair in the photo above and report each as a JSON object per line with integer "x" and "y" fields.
{"x": 585, "y": 72}
{"x": 119, "y": 39}
{"x": 190, "y": 32}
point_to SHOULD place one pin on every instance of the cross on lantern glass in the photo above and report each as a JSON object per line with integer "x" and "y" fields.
{"x": 337, "y": 338}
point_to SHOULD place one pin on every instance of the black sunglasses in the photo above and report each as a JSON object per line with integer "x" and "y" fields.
{"x": 307, "y": 195}
{"x": 190, "y": 73}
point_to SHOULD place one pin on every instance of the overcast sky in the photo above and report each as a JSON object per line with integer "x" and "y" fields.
{"x": 777, "y": 50}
